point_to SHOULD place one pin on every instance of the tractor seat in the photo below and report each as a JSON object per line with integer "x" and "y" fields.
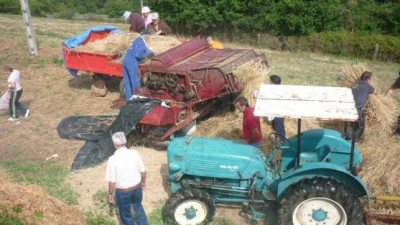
{"x": 320, "y": 154}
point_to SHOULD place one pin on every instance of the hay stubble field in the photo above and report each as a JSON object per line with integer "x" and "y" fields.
{"x": 52, "y": 94}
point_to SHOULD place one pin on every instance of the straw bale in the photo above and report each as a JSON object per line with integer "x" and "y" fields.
{"x": 98, "y": 88}
{"x": 381, "y": 115}
{"x": 32, "y": 200}
{"x": 116, "y": 44}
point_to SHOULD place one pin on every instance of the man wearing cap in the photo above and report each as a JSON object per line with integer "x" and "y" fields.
{"x": 158, "y": 26}
{"x": 136, "y": 20}
{"x": 126, "y": 176}
{"x": 147, "y": 15}
{"x": 130, "y": 64}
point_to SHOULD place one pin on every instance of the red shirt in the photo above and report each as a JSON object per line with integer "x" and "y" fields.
{"x": 249, "y": 123}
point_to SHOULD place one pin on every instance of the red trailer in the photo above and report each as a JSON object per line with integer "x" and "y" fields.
{"x": 189, "y": 79}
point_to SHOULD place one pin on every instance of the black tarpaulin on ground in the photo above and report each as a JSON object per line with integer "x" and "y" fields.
{"x": 97, "y": 131}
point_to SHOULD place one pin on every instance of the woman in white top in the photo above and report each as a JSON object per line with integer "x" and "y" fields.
{"x": 15, "y": 87}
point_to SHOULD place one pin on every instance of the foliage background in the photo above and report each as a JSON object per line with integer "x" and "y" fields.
{"x": 341, "y": 27}
{"x": 278, "y": 17}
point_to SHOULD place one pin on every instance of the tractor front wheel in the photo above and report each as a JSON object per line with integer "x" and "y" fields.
{"x": 189, "y": 206}
{"x": 320, "y": 201}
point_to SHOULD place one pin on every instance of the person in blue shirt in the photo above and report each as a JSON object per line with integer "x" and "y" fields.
{"x": 130, "y": 63}
{"x": 278, "y": 123}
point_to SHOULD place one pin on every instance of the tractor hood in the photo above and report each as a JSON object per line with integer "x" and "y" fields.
{"x": 217, "y": 158}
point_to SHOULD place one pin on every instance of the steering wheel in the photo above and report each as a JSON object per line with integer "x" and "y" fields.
{"x": 279, "y": 141}
{"x": 170, "y": 80}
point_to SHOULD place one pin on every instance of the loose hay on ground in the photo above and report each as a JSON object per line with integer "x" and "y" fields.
{"x": 32, "y": 201}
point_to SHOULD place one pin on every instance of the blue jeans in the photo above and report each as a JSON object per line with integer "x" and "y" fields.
{"x": 124, "y": 202}
{"x": 257, "y": 145}
{"x": 14, "y": 104}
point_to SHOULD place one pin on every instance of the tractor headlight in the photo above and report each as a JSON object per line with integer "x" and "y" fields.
{"x": 173, "y": 167}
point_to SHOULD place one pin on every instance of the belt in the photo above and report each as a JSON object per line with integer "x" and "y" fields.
{"x": 129, "y": 188}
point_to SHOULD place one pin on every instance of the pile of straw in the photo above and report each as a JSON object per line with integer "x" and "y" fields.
{"x": 380, "y": 111}
{"x": 116, "y": 44}
{"x": 251, "y": 74}
{"x": 34, "y": 201}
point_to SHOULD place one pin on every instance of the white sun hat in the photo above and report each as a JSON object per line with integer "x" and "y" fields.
{"x": 126, "y": 15}
{"x": 145, "y": 9}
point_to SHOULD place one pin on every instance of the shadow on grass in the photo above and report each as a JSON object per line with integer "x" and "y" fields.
{"x": 80, "y": 83}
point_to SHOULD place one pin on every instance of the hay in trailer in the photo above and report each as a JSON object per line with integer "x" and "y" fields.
{"x": 35, "y": 205}
{"x": 116, "y": 44}
{"x": 380, "y": 112}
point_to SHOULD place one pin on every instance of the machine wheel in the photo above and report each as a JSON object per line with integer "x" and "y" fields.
{"x": 189, "y": 206}
{"x": 320, "y": 201}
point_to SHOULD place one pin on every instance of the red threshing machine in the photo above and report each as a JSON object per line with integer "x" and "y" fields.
{"x": 191, "y": 79}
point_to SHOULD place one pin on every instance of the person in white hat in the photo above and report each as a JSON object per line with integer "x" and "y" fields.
{"x": 158, "y": 26}
{"x": 146, "y": 15}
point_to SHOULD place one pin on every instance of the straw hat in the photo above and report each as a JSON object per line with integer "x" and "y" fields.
{"x": 126, "y": 15}
{"x": 155, "y": 16}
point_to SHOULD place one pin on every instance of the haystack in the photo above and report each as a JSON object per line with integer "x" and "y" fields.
{"x": 227, "y": 124}
{"x": 380, "y": 111}
{"x": 116, "y": 44}
{"x": 36, "y": 206}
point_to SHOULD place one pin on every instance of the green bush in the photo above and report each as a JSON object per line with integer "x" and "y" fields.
{"x": 350, "y": 44}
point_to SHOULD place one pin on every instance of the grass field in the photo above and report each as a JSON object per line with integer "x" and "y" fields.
{"x": 52, "y": 94}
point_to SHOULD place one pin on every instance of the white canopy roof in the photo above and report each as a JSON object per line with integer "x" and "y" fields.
{"x": 306, "y": 102}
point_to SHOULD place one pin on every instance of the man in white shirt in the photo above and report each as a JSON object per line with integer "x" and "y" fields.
{"x": 15, "y": 88}
{"x": 126, "y": 176}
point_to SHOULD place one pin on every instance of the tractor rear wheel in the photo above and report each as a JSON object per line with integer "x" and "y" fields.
{"x": 320, "y": 201}
{"x": 189, "y": 206}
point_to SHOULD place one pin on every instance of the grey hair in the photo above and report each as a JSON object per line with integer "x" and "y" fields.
{"x": 119, "y": 138}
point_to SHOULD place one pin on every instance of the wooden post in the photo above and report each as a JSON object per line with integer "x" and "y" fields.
{"x": 315, "y": 45}
{"x": 26, "y": 13}
{"x": 258, "y": 39}
{"x": 376, "y": 51}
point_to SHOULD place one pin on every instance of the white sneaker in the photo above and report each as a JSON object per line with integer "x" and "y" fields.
{"x": 27, "y": 113}
{"x": 12, "y": 119}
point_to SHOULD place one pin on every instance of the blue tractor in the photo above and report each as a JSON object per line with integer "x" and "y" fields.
{"x": 312, "y": 176}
